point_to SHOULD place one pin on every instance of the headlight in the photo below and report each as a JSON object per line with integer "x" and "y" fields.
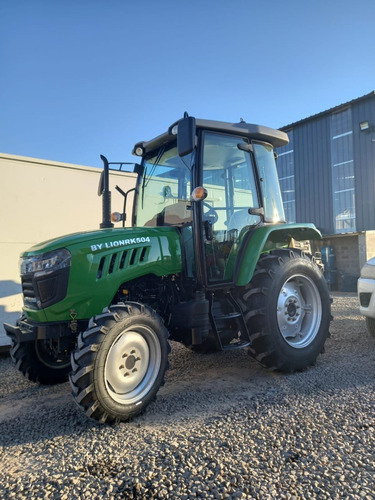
{"x": 46, "y": 263}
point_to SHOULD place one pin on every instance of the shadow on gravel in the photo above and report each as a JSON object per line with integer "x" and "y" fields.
{"x": 39, "y": 414}
{"x": 198, "y": 386}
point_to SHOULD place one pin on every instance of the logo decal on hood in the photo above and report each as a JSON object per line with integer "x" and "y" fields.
{"x": 120, "y": 243}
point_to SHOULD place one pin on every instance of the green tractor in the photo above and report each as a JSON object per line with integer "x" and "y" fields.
{"x": 207, "y": 262}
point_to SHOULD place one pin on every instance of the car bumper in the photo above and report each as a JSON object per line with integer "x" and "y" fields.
{"x": 366, "y": 296}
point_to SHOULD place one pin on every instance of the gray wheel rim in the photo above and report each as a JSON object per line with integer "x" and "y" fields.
{"x": 299, "y": 311}
{"x": 132, "y": 364}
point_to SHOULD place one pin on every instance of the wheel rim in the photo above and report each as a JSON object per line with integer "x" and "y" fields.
{"x": 299, "y": 311}
{"x": 49, "y": 352}
{"x": 132, "y": 364}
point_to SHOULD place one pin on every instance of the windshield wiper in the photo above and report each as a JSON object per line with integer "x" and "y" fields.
{"x": 155, "y": 164}
{"x": 147, "y": 178}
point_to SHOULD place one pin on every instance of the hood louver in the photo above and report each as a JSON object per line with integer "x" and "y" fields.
{"x": 117, "y": 261}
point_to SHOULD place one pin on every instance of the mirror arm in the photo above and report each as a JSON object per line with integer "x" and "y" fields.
{"x": 125, "y": 195}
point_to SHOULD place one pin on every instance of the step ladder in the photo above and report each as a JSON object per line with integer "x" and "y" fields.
{"x": 223, "y": 321}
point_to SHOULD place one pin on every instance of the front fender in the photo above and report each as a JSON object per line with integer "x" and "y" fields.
{"x": 266, "y": 238}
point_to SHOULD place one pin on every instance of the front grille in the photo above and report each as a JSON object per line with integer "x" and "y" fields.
{"x": 27, "y": 287}
{"x": 40, "y": 292}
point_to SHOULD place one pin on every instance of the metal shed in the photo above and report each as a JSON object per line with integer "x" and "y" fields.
{"x": 327, "y": 176}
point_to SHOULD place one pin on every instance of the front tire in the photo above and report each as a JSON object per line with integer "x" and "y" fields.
{"x": 120, "y": 362}
{"x": 287, "y": 310}
{"x": 43, "y": 361}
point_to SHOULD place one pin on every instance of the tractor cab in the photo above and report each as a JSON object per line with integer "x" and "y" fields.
{"x": 213, "y": 181}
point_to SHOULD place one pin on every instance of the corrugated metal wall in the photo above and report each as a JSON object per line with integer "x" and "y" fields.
{"x": 364, "y": 164}
{"x": 313, "y": 170}
{"x": 313, "y": 174}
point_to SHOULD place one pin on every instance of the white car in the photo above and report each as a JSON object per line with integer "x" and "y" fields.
{"x": 366, "y": 294}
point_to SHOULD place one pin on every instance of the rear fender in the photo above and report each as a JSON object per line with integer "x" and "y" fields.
{"x": 265, "y": 239}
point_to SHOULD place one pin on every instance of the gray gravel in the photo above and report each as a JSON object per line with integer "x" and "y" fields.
{"x": 222, "y": 427}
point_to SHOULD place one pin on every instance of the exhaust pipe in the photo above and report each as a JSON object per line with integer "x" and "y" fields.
{"x": 106, "y": 193}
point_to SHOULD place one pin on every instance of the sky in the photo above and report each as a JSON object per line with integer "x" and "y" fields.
{"x": 80, "y": 78}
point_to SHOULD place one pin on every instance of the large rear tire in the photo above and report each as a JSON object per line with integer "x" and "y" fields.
{"x": 287, "y": 310}
{"x": 120, "y": 362}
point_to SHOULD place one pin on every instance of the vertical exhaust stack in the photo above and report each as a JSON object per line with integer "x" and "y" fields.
{"x": 106, "y": 193}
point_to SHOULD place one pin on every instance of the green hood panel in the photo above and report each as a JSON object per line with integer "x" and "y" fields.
{"x": 102, "y": 261}
{"x": 85, "y": 238}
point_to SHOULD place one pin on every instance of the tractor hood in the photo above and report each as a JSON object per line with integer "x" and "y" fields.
{"x": 99, "y": 262}
{"x": 103, "y": 239}
{"x": 90, "y": 238}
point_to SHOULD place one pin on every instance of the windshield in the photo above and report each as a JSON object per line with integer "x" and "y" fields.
{"x": 164, "y": 193}
{"x": 272, "y": 201}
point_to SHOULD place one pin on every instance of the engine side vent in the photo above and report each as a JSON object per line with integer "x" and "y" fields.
{"x": 122, "y": 260}
{"x": 132, "y": 257}
{"x": 100, "y": 268}
{"x": 143, "y": 254}
{"x": 112, "y": 263}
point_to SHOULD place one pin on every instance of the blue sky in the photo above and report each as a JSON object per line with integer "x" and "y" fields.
{"x": 80, "y": 78}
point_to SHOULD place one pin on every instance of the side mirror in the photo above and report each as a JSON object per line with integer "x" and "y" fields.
{"x": 186, "y": 135}
{"x": 256, "y": 211}
{"x": 244, "y": 146}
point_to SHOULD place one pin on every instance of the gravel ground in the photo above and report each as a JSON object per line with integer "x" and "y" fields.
{"x": 222, "y": 427}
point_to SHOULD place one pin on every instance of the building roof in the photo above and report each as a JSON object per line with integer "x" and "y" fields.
{"x": 329, "y": 111}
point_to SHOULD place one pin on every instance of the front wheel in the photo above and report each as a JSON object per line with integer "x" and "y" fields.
{"x": 120, "y": 362}
{"x": 43, "y": 361}
{"x": 287, "y": 310}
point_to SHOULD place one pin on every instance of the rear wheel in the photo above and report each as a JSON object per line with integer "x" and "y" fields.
{"x": 120, "y": 362}
{"x": 287, "y": 310}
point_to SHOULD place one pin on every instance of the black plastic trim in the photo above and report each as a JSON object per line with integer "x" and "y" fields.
{"x": 46, "y": 290}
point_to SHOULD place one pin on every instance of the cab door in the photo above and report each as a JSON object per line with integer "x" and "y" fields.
{"x": 229, "y": 178}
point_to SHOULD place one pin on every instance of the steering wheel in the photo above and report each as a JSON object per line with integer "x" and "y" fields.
{"x": 211, "y": 214}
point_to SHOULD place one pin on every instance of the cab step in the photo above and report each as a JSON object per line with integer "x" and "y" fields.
{"x": 237, "y": 345}
{"x": 231, "y": 319}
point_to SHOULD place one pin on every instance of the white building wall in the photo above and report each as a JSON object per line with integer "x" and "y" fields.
{"x": 40, "y": 200}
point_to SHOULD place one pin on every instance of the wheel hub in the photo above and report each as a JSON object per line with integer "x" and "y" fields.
{"x": 298, "y": 311}
{"x": 130, "y": 361}
{"x": 132, "y": 364}
{"x": 291, "y": 309}
{"x": 127, "y": 362}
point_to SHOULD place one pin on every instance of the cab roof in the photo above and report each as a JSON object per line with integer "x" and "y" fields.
{"x": 275, "y": 137}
